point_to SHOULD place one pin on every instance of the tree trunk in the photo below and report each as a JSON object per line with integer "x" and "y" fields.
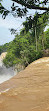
{"x": 43, "y": 40}
{"x": 36, "y": 38}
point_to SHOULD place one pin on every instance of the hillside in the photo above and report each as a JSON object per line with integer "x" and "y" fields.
{"x": 29, "y": 90}
{"x": 22, "y": 50}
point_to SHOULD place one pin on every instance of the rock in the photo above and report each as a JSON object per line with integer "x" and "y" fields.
{"x": 46, "y": 53}
{"x": 19, "y": 67}
{"x": 3, "y": 55}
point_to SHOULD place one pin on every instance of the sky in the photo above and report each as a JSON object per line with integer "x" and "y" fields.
{"x": 5, "y": 26}
{"x": 10, "y": 22}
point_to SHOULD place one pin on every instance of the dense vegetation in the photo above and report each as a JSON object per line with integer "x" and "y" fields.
{"x": 32, "y": 40}
{"x": 23, "y": 48}
{"x": 3, "y": 48}
{"x": 16, "y": 10}
{"x": 30, "y": 43}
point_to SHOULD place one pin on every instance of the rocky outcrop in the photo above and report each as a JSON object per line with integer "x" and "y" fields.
{"x": 29, "y": 90}
{"x": 46, "y": 53}
{"x": 3, "y": 55}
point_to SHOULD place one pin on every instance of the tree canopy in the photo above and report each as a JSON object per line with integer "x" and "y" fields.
{"x": 33, "y": 4}
{"x": 32, "y": 40}
{"x": 23, "y": 48}
{"x": 26, "y": 4}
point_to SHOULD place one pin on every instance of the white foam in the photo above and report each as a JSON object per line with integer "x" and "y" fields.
{"x": 4, "y": 78}
{"x": 4, "y": 91}
{"x": 6, "y": 73}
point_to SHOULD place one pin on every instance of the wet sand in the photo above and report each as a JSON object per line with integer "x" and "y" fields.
{"x": 27, "y": 91}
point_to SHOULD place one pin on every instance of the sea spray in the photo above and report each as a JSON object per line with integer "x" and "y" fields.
{"x": 6, "y": 73}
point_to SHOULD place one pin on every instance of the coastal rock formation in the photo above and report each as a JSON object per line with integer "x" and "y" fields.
{"x": 28, "y": 90}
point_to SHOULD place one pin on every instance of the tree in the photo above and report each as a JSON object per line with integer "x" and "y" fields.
{"x": 21, "y": 50}
{"x": 46, "y": 35}
{"x": 28, "y": 4}
{"x": 33, "y": 4}
{"x": 37, "y": 25}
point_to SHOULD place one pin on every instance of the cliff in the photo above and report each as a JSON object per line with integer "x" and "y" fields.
{"x": 29, "y": 90}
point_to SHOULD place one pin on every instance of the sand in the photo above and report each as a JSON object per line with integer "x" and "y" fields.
{"x": 27, "y": 91}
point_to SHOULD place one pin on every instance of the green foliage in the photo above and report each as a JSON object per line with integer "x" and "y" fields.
{"x": 11, "y": 60}
{"x": 44, "y": 39}
{"x": 21, "y": 50}
{"x": 0, "y": 49}
{"x": 39, "y": 21}
{"x": 46, "y": 35}
{"x": 4, "y": 48}
{"x": 25, "y": 5}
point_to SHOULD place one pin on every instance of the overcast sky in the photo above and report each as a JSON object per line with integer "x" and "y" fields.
{"x": 8, "y": 23}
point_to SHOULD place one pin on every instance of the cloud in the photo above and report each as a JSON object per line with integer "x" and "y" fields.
{"x": 46, "y": 27}
{"x": 5, "y": 25}
{"x": 10, "y": 22}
